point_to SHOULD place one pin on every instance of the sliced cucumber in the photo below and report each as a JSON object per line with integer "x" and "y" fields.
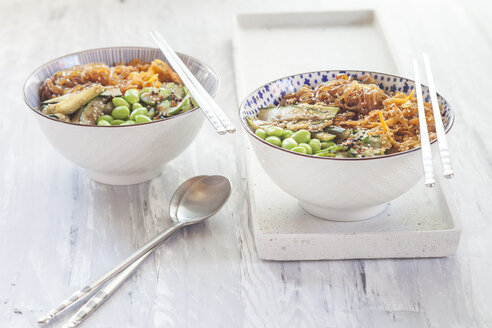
{"x": 193, "y": 102}
{"x": 175, "y": 89}
{"x": 154, "y": 95}
{"x": 164, "y": 93}
{"x": 151, "y": 113}
{"x": 178, "y": 108}
{"x": 148, "y": 98}
{"x": 164, "y": 107}
{"x": 187, "y": 106}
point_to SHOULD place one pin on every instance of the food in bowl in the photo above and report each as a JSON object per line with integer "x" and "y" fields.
{"x": 346, "y": 117}
{"x": 121, "y": 155}
{"x": 337, "y": 188}
{"x": 100, "y": 94}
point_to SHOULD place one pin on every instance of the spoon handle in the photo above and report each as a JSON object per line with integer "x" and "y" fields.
{"x": 104, "y": 293}
{"x": 89, "y": 289}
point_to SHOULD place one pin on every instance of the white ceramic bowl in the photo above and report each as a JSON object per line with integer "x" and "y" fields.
{"x": 119, "y": 155}
{"x": 337, "y": 188}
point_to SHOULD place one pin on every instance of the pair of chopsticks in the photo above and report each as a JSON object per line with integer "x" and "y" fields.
{"x": 99, "y": 290}
{"x": 209, "y": 107}
{"x": 447, "y": 167}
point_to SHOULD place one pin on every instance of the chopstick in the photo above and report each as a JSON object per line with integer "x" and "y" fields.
{"x": 424, "y": 135}
{"x": 103, "y": 294}
{"x": 209, "y": 107}
{"x": 447, "y": 167}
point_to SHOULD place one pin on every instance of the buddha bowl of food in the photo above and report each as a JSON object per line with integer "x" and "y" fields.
{"x": 343, "y": 143}
{"x": 120, "y": 113}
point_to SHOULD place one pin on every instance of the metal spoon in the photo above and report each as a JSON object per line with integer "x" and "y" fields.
{"x": 194, "y": 201}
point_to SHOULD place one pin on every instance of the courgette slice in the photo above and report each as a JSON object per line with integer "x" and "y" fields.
{"x": 56, "y": 100}
{"x": 75, "y": 118}
{"x": 108, "y": 108}
{"x": 111, "y": 92}
{"x": 76, "y": 100}
{"x": 324, "y": 136}
{"x": 341, "y": 133}
{"x": 256, "y": 124}
{"x": 60, "y": 117}
{"x": 92, "y": 111}
{"x": 297, "y": 112}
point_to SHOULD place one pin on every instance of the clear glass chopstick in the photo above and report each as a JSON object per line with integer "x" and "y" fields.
{"x": 212, "y": 111}
{"x": 424, "y": 135}
{"x": 447, "y": 167}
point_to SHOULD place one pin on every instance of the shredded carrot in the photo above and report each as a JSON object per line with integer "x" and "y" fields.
{"x": 383, "y": 124}
{"x": 410, "y": 96}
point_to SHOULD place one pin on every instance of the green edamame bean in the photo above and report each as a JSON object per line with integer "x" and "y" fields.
{"x": 136, "y": 105}
{"x": 302, "y": 136}
{"x": 103, "y": 122}
{"x": 138, "y": 111}
{"x": 309, "y": 150}
{"x": 287, "y": 134}
{"x": 274, "y": 140}
{"x": 289, "y": 143}
{"x": 315, "y": 145}
{"x": 131, "y": 95}
{"x": 142, "y": 119}
{"x": 261, "y": 133}
{"x": 121, "y": 112}
{"x": 118, "y": 101}
{"x": 299, "y": 149}
{"x": 117, "y": 122}
{"x": 129, "y": 122}
{"x": 107, "y": 118}
{"x": 274, "y": 131}
{"x": 327, "y": 144}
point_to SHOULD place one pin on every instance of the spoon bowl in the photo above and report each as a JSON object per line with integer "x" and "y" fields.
{"x": 199, "y": 198}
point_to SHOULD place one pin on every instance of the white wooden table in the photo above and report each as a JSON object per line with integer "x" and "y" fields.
{"x": 59, "y": 230}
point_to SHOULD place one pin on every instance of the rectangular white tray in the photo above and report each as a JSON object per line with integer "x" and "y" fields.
{"x": 421, "y": 223}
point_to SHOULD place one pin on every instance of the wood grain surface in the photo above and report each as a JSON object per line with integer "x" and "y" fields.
{"x": 59, "y": 230}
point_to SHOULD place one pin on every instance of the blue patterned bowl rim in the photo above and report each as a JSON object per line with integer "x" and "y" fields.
{"x": 246, "y": 127}
{"x": 181, "y": 55}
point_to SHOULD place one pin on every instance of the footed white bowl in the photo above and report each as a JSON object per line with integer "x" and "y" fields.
{"x": 119, "y": 155}
{"x": 339, "y": 189}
